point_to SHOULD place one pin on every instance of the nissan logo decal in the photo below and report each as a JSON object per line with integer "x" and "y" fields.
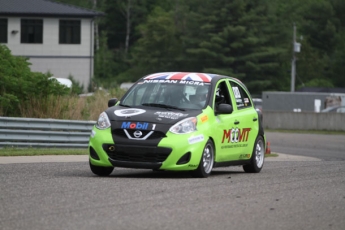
{"x": 137, "y": 134}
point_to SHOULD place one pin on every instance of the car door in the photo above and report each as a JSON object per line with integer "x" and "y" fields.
{"x": 224, "y": 128}
{"x": 236, "y": 132}
{"x": 246, "y": 121}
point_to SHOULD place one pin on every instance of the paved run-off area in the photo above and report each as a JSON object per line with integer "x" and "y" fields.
{"x": 81, "y": 158}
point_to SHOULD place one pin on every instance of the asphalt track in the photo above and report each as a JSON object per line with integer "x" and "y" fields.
{"x": 293, "y": 191}
{"x": 84, "y": 158}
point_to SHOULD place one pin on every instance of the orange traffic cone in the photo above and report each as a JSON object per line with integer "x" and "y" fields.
{"x": 268, "y": 148}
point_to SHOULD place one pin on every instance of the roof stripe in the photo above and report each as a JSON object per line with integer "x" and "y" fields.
{"x": 181, "y": 76}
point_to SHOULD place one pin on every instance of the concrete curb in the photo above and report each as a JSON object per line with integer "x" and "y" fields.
{"x": 85, "y": 158}
{"x": 287, "y": 157}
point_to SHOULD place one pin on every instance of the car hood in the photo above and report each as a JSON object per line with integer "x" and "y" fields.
{"x": 149, "y": 114}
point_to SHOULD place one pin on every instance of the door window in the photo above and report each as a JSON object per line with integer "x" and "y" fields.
{"x": 222, "y": 95}
{"x": 241, "y": 96}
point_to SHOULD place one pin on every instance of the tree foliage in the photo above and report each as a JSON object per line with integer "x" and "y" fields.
{"x": 247, "y": 39}
{"x": 18, "y": 84}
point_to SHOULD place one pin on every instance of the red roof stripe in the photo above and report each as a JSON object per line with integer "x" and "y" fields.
{"x": 204, "y": 77}
{"x": 177, "y": 76}
{"x": 187, "y": 76}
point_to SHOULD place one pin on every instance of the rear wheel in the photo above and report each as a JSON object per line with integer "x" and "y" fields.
{"x": 206, "y": 162}
{"x": 257, "y": 159}
{"x": 101, "y": 171}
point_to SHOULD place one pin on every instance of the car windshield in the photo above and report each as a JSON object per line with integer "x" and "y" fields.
{"x": 176, "y": 95}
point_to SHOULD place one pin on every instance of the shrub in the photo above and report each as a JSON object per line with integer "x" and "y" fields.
{"x": 18, "y": 84}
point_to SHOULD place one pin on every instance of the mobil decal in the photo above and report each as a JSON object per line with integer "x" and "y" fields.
{"x": 235, "y": 135}
{"x": 134, "y": 125}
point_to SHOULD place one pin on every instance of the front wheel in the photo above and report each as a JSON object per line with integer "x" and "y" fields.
{"x": 206, "y": 162}
{"x": 257, "y": 160}
{"x": 101, "y": 171}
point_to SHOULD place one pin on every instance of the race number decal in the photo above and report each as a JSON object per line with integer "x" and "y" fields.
{"x": 128, "y": 112}
{"x": 236, "y": 92}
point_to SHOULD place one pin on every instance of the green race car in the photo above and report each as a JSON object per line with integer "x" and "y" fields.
{"x": 179, "y": 121}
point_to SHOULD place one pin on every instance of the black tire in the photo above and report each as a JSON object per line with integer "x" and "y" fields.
{"x": 101, "y": 171}
{"x": 206, "y": 162}
{"x": 258, "y": 156}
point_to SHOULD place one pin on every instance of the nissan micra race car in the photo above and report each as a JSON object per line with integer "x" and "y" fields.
{"x": 179, "y": 121}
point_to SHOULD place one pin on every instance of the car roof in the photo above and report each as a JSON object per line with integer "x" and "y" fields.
{"x": 187, "y": 76}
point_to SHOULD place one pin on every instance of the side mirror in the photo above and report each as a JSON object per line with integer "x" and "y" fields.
{"x": 224, "y": 109}
{"x": 112, "y": 102}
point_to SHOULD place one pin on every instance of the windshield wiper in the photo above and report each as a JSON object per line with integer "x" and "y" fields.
{"x": 162, "y": 106}
{"x": 125, "y": 105}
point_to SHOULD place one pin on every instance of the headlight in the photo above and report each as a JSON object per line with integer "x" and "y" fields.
{"x": 103, "y": 121}
{"x": 187, "y": 125}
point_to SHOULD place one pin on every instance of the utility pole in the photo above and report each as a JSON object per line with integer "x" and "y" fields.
{"x": 293, "y": 62}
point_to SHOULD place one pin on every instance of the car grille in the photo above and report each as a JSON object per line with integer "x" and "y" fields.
{"x": 154, "y": 135}
{"x": 137, "y": 153}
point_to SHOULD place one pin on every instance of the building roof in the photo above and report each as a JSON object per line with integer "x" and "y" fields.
{"x": 44, "y": 8}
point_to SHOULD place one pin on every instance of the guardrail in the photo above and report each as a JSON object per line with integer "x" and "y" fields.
{"x": 304, "y": 121}
{"x": 48, "y": 133}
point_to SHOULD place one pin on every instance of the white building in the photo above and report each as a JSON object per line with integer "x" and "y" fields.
{"x": 56, "y": 37}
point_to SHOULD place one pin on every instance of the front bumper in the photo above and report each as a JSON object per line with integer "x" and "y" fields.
{"x": 174, "y": 152}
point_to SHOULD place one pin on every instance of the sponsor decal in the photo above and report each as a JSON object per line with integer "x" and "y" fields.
{"x": 204, "y": 118}
{"x": 128, "y": 112}
{"x": 244, "y": 156}
{"x": 196, "y": 139}
{"x": 192, "y": 82}
{"x": 93, "y": 133}
{"x": 181, "y": 76}
{"x": 134, "y": 125}
{"x": 175, "y": 82}
{"x": 193, "y": 166}
{"x": 234, "y": 146}
{"x": 170, "y": 115}
{"x": 235, "y": 135}
{"x": 160, "y": 81}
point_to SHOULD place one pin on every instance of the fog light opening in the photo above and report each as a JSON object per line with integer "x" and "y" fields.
{"x": 93, "y": 154}
{"x": 184, "y": 159}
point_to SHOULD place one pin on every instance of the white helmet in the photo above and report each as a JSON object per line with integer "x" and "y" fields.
{"x": 201, "y": 93}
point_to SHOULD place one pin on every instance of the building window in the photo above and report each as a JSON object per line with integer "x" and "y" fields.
{"x": 3, "y": 30}
{"x": 69, "y": 32}
{"x": 31, "y": 31}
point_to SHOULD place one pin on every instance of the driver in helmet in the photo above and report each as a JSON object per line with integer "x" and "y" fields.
{"x": 201, "y": 95}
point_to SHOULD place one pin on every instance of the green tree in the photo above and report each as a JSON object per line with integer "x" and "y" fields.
{"x": 158, "y": 49}
{"x": 240, "y": 39}
{"x": 18, "y": 84}
{"x": 248, "y": 39}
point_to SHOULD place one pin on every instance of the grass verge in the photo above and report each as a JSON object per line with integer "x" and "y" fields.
{"x": 41, "y": 151}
